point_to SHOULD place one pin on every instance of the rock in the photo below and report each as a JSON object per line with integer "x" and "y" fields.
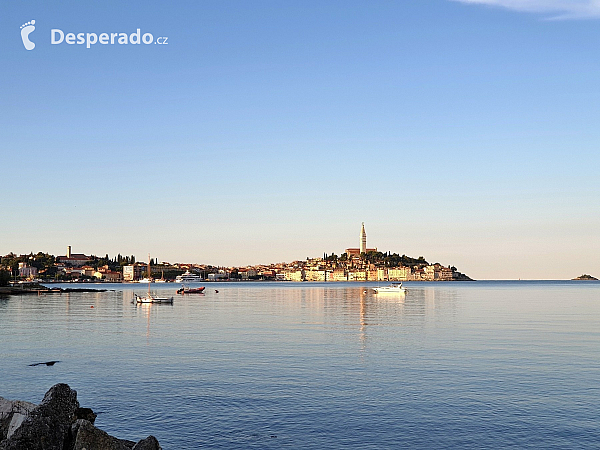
{"x": 58, "y": 423}
{"x": 12, "y": 414}
{"x": 88, "y": 437}
{"x": 48, "y": 425}
{"x": 87, "y": 414}
{"x": 150, "y": 443}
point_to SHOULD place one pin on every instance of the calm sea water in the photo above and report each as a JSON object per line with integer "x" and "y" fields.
{"x": 313, "y": 366}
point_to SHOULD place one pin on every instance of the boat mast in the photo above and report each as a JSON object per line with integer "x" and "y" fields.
{"x": 149, "y": 272}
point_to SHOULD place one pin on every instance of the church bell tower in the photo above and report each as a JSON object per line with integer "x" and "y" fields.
{"x": 363, "y": 239}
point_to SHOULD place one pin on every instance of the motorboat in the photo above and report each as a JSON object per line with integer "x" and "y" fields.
{"x": 393, "y": 288}
{"x": 188, "y": 277}
{"x": 188, "y": 290}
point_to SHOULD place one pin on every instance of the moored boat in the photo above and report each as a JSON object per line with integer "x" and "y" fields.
{"x": 188, "y": 290}
{"x": 188, "y": 277}
{"x": 393, "y": 288}
{"x": 152, "y": 298}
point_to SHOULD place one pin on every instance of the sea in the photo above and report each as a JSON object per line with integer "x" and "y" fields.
{"x": 277, "y": 365}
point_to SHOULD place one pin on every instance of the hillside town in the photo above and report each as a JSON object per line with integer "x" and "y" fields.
{"x": 354, "y": 264}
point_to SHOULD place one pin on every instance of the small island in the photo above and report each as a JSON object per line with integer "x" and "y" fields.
{"x": 585, "y": 277}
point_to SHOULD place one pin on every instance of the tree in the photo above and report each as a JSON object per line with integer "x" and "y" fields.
{"x": 4, "y": 277}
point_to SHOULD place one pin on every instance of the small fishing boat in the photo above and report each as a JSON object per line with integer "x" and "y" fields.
{"x": 188, "y": 290}
{"x": 393, "y": 288}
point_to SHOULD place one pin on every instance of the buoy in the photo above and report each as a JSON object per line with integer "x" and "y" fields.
{"x": 92, "y": 306}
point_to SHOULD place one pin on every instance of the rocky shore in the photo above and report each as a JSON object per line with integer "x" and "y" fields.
{"x": 58, "y": 423}
{"x": 34, "y": 288}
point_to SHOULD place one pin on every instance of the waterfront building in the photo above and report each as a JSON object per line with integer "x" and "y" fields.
{"x": 339, "y": 275}
{"x": 73, "y": 259}
{"x": 399, "y": 274}
{"x": 26, "y": 271}
{"x": 357, "y": 275}
{"x": 315, "y": 275}
{"x": 295, "y": 275}
{"x": 88, "y": 271}
{"x": 110, "y": 276}
{"x": 133, "y": 272}
{"x": 248, "y": 273}
{"x": 218, "y": 276}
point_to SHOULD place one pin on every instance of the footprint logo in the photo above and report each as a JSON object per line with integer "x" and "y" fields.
{"x": 26, "y": 30}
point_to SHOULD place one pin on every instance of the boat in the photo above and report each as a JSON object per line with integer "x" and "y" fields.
{"x": 189, "y": 290}
{"x": 393, "y": 288}
{"x": 188, "y": 277}
{"x": 152, "y": 297}
{"x": 162, "y": 278}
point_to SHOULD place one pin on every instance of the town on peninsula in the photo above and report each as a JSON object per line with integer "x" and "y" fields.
{"x": 354, "y": 264}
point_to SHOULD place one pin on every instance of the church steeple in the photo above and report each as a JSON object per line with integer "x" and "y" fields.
{"x": 363, "y": 239}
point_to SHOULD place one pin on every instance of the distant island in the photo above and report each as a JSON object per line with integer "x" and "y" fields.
{"x": 585, "y": 277}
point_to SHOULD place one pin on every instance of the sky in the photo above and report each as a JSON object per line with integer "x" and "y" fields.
{"x": 267, "y": 131}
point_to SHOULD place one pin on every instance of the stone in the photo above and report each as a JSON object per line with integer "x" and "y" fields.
{"x": 12, "y": 415}
{"x": 58, "y": 423}
{"x": 150, "y": 443}
{"x": 88, "y": 437}
{"x": 87, "y": 414}
{"x": 48, "y": 425}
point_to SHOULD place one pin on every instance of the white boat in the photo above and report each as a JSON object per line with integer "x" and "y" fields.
{"x": 150, "y": 297}
{"x": 394, "y": 288}
{"x": 188, "y": 277}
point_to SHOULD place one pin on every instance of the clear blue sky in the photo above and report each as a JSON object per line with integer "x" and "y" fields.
{"x": 267, "y": 131}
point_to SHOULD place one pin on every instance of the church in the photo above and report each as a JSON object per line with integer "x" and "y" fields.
{"x": 363, "y": 245}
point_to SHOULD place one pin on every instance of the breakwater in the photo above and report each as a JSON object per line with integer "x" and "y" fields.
{"x": 58, "y": 423}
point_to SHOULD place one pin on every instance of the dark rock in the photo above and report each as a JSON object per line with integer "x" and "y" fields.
{"x": 150, "y": 443}
{"x": 127, "y": 443}
{"x": 88, "y": 437}
{"x": 87, "y": 414}
{"x": 47, "y": 426}
{"x": 58, "y": 423}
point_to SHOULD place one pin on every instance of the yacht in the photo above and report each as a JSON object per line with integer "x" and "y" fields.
{"x": 396, "y": 288}
{"x": 188, "y": 277}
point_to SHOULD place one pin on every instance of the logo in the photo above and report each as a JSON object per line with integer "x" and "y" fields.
{"x": 59, "y": 36}
{"x": 26, "y": 30}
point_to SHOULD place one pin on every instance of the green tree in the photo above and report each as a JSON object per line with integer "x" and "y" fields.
{"x": 4, "y": 277}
